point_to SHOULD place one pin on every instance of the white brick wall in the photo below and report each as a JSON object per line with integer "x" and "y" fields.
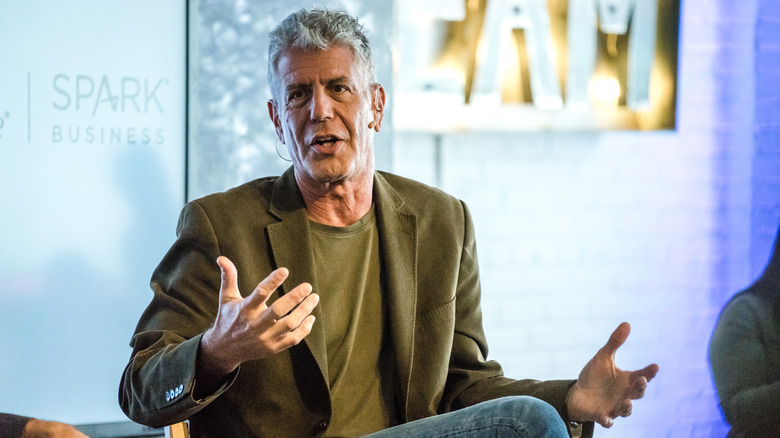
{"x": 766, "y": 160}
{"x": 578, "y": 232}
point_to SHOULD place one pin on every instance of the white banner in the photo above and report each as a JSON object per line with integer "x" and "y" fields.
{"x": 92, "y": 157}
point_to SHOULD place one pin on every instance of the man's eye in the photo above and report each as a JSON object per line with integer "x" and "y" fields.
{"x": 295, "y": 95}
{"x": 339, "y": 88}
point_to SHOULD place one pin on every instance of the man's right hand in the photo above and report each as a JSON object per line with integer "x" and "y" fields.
{"x": 249, "y": 329}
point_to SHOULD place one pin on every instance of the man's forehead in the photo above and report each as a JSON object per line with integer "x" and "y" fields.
{"x": 300, "y": 65}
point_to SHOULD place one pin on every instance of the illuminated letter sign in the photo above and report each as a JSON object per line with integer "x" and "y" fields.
{"x": 613, "y": 18}
{"x": 537, "y": 64}
{"x": 532, "y": 16}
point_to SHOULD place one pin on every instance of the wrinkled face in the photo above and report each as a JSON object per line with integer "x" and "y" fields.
{"x": 325, "y": 107}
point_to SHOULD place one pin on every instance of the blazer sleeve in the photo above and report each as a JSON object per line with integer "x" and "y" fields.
{"x": 157, "y": 384}
{"x": 739, "y": 348}
{"x": 472, "y": 378}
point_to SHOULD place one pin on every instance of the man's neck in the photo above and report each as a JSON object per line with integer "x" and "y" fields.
{"x": 339, "y": 203}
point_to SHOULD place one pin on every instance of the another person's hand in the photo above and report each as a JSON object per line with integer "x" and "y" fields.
{"x": 603, "y": 391}
{"x": 50, "y": 429}
{"x": 247, "y": 328}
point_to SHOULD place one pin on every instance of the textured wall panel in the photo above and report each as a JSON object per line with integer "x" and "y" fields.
{"x": 231, "y": 136}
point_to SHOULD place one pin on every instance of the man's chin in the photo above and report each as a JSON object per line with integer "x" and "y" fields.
{"x": 326, "y": 176}
{"x": 329, "y": 173}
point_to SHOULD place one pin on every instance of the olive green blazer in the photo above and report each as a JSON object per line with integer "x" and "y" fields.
{"x": 431, "y": 278}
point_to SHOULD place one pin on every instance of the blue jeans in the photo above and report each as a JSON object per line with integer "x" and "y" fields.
{"x": 519, "y": 416}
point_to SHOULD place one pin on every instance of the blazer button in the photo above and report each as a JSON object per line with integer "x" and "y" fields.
{"x": 322, "y": 425}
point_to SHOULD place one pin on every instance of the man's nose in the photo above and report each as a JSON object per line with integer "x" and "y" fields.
{"x": 321, "y": 106}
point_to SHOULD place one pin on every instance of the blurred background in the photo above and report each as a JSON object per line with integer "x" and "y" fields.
{"x": 619, "y": 158}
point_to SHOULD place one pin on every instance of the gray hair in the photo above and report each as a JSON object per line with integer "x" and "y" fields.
{"x": 318, "y": 29}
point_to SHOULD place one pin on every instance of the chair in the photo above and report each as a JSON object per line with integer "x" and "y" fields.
{"x": 178, "y": 430}
{"x": 119, "y": 429}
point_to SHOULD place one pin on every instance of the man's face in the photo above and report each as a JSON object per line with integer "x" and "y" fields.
{"x": 325, "y": 107}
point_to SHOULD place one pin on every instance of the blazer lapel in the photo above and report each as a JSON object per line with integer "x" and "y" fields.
{"x": 289, "y": 241}
{"x": 398, "y": 246}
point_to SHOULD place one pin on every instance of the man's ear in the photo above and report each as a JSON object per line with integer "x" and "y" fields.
{"x": 378, "y": 105}
{"x": 275, "y": 116}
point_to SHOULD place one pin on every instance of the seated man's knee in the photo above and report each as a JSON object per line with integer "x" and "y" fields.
{"x": 536, "y": 417}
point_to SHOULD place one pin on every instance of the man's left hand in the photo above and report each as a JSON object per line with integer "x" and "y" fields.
{"x": 603, "y": 391}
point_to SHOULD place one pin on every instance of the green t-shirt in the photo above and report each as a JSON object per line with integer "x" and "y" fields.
{"x": 349, "y": 283}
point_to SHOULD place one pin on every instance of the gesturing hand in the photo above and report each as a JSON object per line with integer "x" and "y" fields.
{"x": 247, "y": 328}
{"x": 603, "y": 391}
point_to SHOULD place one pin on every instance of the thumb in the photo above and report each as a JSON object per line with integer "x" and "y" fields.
{"x": 617, "y": 338}
{"x": 228, "y": 290}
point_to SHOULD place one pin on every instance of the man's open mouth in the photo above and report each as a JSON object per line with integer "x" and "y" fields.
{"x": 325, "y": 141}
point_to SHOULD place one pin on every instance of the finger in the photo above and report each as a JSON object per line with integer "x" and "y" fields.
{"x": 228, "y": 290}
{"x": 638, "y": 386}
{"x": 606, "y": 422}
{"x": 291, "y": 300}
{"x": 649, "y": 371}
{"x": 297, "y": 316}
{"x": 294, "y": 337}
{"x": 627, "y": 408}
{"x": 617, "y": 339}
{"x": 265, "y": 288}
{"x": 623, "y": 410}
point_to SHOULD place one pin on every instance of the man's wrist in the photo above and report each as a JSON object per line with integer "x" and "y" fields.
{"x": 575, "y": 416}
{"x": 208, "y": 358}
{"x": 210, "y": 371}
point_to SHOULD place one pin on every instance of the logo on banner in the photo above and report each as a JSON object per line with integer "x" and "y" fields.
{"x": 102, "y": 109}
{"x": 3, "y": 117}
{"x": 96, "y": 109}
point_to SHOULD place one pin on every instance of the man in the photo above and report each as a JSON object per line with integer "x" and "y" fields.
{"x": 369, "y": 319}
